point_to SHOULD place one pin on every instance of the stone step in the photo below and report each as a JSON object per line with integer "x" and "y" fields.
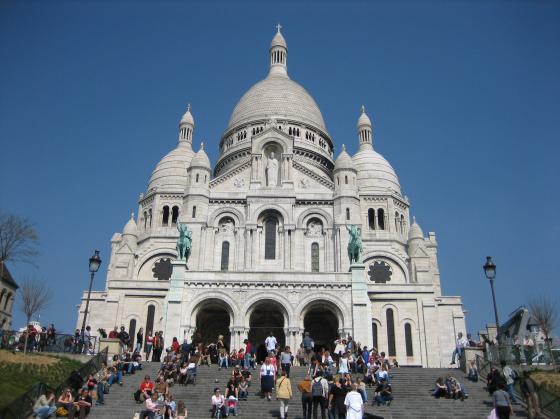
{"x": 411, "y": 389}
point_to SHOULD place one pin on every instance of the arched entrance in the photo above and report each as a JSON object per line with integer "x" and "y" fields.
{"x": 212, "y": 319}
{"x": 322, "y": 324}
{"x": 266, "y": 317}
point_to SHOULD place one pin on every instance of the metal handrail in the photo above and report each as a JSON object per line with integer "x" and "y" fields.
{"x": 14, "y": 340}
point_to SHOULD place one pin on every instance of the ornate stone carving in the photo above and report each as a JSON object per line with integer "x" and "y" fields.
{"x": 314, "y": 229}
{"x": 304, "y": 182}
{"x": 380, "y": 272}
{"x": 239, "y": 183}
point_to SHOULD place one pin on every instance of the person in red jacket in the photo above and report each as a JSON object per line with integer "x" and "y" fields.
{"x": 145, "y": 390}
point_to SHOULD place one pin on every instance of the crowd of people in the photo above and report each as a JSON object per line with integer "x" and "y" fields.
{"x": 335, "y": 385}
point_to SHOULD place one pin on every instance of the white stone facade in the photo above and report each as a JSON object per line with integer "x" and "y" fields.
{"x": 270, "y": 249}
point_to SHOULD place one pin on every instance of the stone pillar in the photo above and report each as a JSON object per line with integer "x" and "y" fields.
{"x": 361, "y": 310}
{"x": 173, "y": 302}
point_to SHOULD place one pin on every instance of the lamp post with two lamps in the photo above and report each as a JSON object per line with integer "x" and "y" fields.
{"x": 94, "y": 264}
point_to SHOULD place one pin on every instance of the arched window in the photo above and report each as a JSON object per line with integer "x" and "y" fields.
{"x": 174, "y": 215}
{"x": 8, "y": 298}
{"x": 371, "y": 218}
{"x": 194, "y": 211}
{"x": 225, "y": 256}
{"x": 348, "y": 214}
{"x": 402, "y": 223}
{"x": 150, "y": 319}
{"x": 315, "y": 257}
{"x": 150, "y": 216}
{"x": 408, "y": 339}
{"x": 165, "y": 218}
{"x": 391, "y": 347}
{"x": 2, "y": 295}
{"x": 270, "y": 238}
{"x": 205, "y": 179}
{"x": 338, "y": 180}
{"x": 381, "y": 219}
{"x": 346, "y": 180}
{"x": 396, "y": 222}
{"x": 196, "y": 180}
{"x": 132, "y": 331}
{"x": 374, "y": 334}
{"x": 145, "y": 219}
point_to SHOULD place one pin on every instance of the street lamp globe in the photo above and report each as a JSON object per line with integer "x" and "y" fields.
{"x": 94, "y": 262}
{"x": 489, "y": 268}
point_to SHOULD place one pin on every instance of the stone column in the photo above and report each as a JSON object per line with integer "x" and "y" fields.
{"x": 361, "y": 306}
{"x": 172, "y": 312}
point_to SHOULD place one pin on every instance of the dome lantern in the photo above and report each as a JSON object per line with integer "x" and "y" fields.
{"x": 365, "y": 134}
{"x": 186, "y": 126}
{"x": 278, "y": 54}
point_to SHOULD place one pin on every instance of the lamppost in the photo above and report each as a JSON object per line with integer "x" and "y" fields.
{"x": 490, "y": 272}
{"x": 94, "y": 264}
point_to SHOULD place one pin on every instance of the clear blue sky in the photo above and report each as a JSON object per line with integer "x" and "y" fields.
{"x": 464, "y": 97}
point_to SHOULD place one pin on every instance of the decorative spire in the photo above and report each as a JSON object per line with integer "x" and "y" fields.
{"x": 278, "y": 54}
{"x": 362, "y": 109}
{"x": 343, "y": 147}
{"x": 186, "y": 126}
{"x": 189, "y": 107}
{"x": 132, "y": 216}
{"x": 202, "y": 145}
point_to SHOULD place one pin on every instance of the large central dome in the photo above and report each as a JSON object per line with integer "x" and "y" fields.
{"x": 277, "y": 96}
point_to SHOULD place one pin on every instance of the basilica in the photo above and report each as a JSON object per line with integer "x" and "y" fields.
{"x": 270, "y": 230}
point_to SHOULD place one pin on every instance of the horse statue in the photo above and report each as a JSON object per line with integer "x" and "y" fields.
{"x": 355, "y": 248}
{"x": 184, "y": 242}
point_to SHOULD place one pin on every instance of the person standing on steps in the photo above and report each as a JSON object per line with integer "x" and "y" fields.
{"x": 139, "y": 340}
{"x": 502, "y": 404}
{"x": 270, "y": 343}
{"x": 509, "y": 377}
{"x": 148, "y": 346}
{"x": 267, "y": 378}
{"x": 320, "y": 393}
{"x": 308, "y": 344}
{"x": 354, "y": 404}
{"x": 337, "y": 399}
{"x": 284, "y": 393}
{"x": 529, "y": 392}
{"x": 304, "y": 386}
{"x": 286, "y": 360}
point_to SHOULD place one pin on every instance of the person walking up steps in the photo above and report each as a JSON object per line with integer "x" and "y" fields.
{"x": 284, "y": 393}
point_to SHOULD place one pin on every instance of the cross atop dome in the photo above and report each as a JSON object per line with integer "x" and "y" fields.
{"x": 278, "y": 27}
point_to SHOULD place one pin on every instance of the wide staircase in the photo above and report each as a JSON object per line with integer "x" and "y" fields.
{"x": 411, "y": 390}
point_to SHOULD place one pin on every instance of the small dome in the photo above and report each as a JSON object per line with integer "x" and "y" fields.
{"x": 375, "y": 174}
{"x": 278, "y": 40}
{"x": 130, "y": 227}
{"x": 201, "y": 159}
{"x": 344, "y": 161}
{"x": 363, "y": 120}
{"x": 171, "y": 171}
{"x": 415, "y": 232}
{"x": 187, "y": 117}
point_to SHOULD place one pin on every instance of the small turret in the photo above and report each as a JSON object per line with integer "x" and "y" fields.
{"x": 130, "y": 233}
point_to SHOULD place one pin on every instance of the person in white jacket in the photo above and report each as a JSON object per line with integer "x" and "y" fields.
{"x": 354, "y": 404}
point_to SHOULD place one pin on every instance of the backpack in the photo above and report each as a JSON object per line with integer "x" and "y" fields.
{"x": 317, "y": 388}
{"x": 514, "y": 375}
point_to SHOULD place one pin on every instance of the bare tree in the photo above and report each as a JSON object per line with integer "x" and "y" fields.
{"x": 544, "y": 312}
{"x": 18, "y": 240}
{"x": 35, "y": 297}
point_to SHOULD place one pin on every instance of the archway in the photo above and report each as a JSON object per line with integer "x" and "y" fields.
{"x": 266, "y": 317}
{"x": 322, "y": 324}
{"x": 213, "y": 319}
